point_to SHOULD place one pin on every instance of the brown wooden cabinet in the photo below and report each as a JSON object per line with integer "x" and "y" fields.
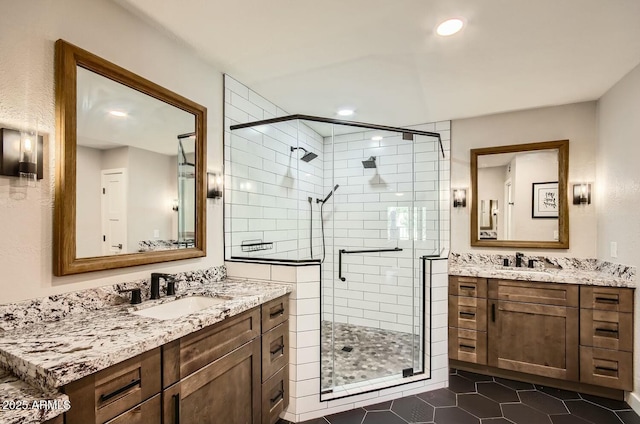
{"x": 227, "y": 390}
{"x": 106, "y": 394}
{"x": 232, "y": 372}
{"x": 564, "y": 333}
{"x": 606, "y": 337}
{"x": 533, "y": 328}
{"x": 468, "y": 319}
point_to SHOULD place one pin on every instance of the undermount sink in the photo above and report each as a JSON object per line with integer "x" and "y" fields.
{"x": 179, "y": 308}
{"x": 521, "y": 269}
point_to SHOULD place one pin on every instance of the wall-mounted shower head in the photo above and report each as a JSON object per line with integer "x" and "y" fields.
{"x": 369, "y": 163}
{"x": 308, "y": 156}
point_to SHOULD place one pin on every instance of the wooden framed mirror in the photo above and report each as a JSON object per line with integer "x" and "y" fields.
{"x": 519, "y": 196}
{"x": 130, "y": 168}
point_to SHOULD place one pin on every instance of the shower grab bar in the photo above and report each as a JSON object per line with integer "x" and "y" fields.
{"x": 346, "y": 252}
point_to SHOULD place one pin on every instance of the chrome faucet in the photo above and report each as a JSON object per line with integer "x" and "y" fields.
{"x": 519, "y": 259}
{"x": 155, "y": 284}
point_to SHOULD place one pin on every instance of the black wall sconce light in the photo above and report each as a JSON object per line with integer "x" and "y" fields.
{"x": 460, "y": 198}
{"x": 21, "y": 155}
{"x": 214, "y": 186}
{"x": 582, "y": 194}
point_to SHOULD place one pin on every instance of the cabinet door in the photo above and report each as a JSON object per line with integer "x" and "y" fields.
{"x": 225, "y": 391}
{"x": 534, "y": 338}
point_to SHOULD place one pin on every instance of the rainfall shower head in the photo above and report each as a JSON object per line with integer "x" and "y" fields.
{"x": 369, "y": 163}
{"x": 308, "y": 156}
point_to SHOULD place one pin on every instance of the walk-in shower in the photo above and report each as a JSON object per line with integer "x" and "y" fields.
{"x": 375, "y": 218}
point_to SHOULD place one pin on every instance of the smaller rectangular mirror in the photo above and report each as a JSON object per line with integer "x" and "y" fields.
{"x": 530, "y": 182}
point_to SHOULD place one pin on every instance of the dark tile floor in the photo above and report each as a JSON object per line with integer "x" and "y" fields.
{"x": 478, "y": 399}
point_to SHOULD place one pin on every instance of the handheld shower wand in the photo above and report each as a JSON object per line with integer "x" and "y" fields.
{"x": 328, "y": 195}
{"x": 322, "y": 202}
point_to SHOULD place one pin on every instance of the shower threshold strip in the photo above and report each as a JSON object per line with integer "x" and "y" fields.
{"x": 346, "y": 252}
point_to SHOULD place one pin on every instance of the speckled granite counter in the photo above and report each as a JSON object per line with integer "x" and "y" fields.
{"x": 18, "y": 399}
{"x": 546, "y": 269}
{"x": 48, "y": 351}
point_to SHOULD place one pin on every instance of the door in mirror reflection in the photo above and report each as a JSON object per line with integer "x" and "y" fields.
{"x": 526, "y": 185}
{"x": 135, "y": 170}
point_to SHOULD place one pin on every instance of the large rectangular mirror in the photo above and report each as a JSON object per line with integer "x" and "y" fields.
{"x": 130, "y": 168}
{"x": 519, "y": 195}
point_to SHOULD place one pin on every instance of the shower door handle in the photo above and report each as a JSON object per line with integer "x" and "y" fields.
{"x": 340, "y": 252}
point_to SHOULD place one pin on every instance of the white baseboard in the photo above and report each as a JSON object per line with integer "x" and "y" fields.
{"x": 633, "y": 399}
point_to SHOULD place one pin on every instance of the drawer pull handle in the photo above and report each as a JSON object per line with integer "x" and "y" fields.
{"x": 467, "y": 314}
{"x": 279, "y": 396}
{"x": 278, "y": 349}
{"x": 104, "y": 398}
{"x": 606, "y": 330}
{"x": 493, "y": 312}
{"x": 606, "y": 300}
{"x": 276, "y": 313}
{"x": 465, "y": 287}
{"x": 606, "y": 369}
{"x": 176, "y": 408}
{"x": 465, "y": 346}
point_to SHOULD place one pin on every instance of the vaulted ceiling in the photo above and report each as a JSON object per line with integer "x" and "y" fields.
{"x": 383, "y": 58}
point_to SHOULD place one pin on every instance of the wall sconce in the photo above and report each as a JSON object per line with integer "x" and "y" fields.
{"x": 21, "y": 155}
{"x": 460, "y": 198}
{"x": 582, "y": 194}
{"x": 214, "y": 186}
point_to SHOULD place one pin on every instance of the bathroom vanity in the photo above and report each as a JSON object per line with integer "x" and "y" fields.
{"x": 548, "y": 327}
{"x": 229, "y": 361}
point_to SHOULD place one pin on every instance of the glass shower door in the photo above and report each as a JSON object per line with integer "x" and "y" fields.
{"x": 372, "y": 303}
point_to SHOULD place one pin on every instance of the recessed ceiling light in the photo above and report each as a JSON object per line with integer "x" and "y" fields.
{"x": 376, "y": 138}
{"x": 449, "y": 27}
{"x": 345, "y": 112}
{"x": 118, "y": 113}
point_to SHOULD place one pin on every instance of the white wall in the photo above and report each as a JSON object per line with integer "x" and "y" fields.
{"x": 149, "y": 209}
{"x": 28, "y": 31}
{"x": 88, "y": 211}
{"x": 576, "y": 122}
{"x": 267, "y": 185}
{"x": 534, "y": 167}
{"x": 617, "y": 193}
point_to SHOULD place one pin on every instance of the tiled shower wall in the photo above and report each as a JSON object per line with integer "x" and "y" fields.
{"x": 404, "y": 203}
{"x": 266, "y": 185}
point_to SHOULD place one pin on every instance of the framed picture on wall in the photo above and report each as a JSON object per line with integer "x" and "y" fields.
{"x": 545, "y": 200}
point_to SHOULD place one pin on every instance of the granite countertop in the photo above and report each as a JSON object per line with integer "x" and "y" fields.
{"x": 553, "y": 270}
{"x": 24, "y": 404}
{"x": 51, "y": 354}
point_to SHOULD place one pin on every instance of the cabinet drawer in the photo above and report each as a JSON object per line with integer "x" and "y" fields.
{"x": 468, "y": 312}
{"x": 275, "y": 312}
{"x": 606, "y": 329}
{"x": 275, "y": 396}
{"x": 190, "y": 353}
{"x": 528, "y": 292}
{"x": 275, "y": 350}
{"x": 608, "y": 368}
{"x": 606, "y": 298}
{"x": 468, "y": 345}
{"x": 468, "y": 286}
{"x": 148, "y": 412}
{"x": 112, "y": 391}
